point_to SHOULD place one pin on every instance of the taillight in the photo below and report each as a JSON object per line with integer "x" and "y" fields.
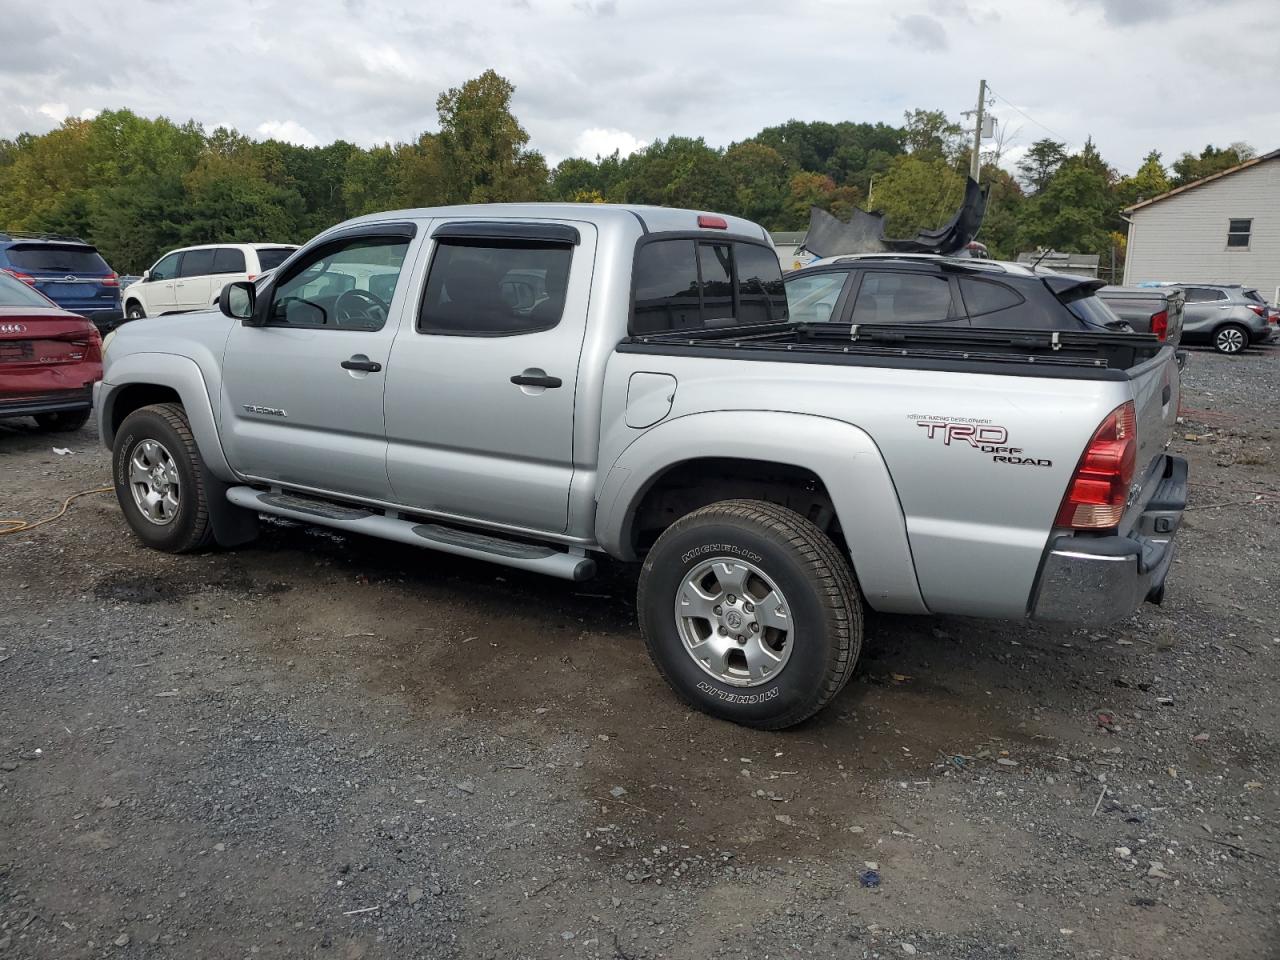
{"x": 1099, "y": 490}
{"x": 1258, "y": 309}
{"x": 1160, "y": 325}
{"x": 713, "y": 223}
{"x": 24, "y": 277}
{"x": 110, "y": 280}
{"x": 251, "y": 277}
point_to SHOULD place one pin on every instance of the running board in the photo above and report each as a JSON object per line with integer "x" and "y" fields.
{"x": 464, "y": 543}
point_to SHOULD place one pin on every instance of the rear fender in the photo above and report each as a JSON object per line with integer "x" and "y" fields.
{"x": 844, "y": 457}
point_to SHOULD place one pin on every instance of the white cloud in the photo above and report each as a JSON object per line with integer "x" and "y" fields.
{"x": 602, "y": 141}
{"x": 290, "y": 131}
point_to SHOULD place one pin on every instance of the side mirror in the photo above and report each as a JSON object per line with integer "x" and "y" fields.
{"x": 239, "y": 301}
{"x": 146, "y": 275}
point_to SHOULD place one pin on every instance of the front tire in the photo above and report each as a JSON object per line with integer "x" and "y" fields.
{"x": 157, "y": 474}
{"x": 1231, "y": 338}
{"x": 134, "y": 311}
{"x": 63, "y": 421}
{"x": 750, "y": 613}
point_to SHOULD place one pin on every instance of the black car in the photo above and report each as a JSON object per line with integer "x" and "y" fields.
{"x": 928, "y": 289}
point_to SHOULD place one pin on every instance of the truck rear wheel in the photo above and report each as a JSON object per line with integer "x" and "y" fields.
{"x": 156, "y": 468}
{"x": 750, "y": 613}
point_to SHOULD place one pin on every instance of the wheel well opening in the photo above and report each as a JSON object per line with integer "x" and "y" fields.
{"x": 693, "y": 484}
{"x": 138, "y": 395}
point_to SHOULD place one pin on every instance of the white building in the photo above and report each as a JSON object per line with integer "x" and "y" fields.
{"x": 1222, "y": 229}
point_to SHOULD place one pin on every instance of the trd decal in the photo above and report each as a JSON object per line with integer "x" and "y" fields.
{"x": 987, "y": 437}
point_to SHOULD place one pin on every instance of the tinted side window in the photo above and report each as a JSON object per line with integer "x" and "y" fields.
{"x": 347, "y": 285}
{"x": 986, "y": 296}
{"x": 761, "y": 296}
{"x": 229, "y": 260}
{"x": 495, "y": 287}
{"x": 1204, "y": 295}
{"x": 197, "y": 263}
{"x": 886, "y": 297}
{"x": 666, "y": 281}
{"x": 812, "y": 299}
{"x": 167, "y": 268}
{"x": 271, "y": 257}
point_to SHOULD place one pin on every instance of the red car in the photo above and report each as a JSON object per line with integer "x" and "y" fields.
{"x": 49, "y": 359}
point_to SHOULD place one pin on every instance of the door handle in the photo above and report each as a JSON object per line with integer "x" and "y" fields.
{"x": 368, "y": 366}
{"x": 532, "y": 380}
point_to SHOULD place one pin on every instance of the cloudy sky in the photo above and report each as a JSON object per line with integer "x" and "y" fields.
{"x": 592, "y": 75}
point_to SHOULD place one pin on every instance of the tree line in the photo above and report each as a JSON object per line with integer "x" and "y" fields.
{"x": 136, "y": 186}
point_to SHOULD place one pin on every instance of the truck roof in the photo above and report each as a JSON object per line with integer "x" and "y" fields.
{"x": 604, "y": 216}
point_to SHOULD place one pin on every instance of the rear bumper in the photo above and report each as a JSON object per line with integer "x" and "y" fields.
{"x": 1094, "y": 581}
{"x": 105, "y": 320}
{"x": 46, "y": 403}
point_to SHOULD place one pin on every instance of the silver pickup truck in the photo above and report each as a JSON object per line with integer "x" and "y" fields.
{"x": 539, "y": 384}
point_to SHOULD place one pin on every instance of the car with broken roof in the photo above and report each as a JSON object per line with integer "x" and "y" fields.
{"x": 960, "y": 291}
{"x": 544, "y": 385}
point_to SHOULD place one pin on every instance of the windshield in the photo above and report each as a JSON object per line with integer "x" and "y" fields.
{"x": 58, "y": 258}
{"x": 15, "y": 293}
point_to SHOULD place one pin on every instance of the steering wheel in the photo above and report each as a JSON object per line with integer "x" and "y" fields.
{"x": 360, "y": 306}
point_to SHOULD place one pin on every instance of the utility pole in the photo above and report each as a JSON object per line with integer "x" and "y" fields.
{"x": 975, "y": 163}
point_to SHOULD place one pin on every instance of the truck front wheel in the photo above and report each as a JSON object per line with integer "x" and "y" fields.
{"x": 750, "y": 613}
{"x": 158, "y": 479}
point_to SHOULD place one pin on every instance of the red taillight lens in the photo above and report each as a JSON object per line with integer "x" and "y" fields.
{"x": 110, "y": 280}
{"x": 24, "y": 277}
{"x": 251, "y": 277}
{"x": 1258, "y": 309}
{"x": 1160, "y": 325}
{"x": 712, "y": 223}
{"x": 1099, "y": 489}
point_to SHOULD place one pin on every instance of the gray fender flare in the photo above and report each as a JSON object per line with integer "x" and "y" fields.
{"x": 843, "y": 456}
{"x": 232, "y": 525}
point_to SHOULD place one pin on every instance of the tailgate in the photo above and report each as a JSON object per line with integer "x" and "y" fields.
{"x": 1156, "y": 386}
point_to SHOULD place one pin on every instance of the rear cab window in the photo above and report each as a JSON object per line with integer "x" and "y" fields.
{"x": 691, "y": 283}
{"x": 57, "y": 258}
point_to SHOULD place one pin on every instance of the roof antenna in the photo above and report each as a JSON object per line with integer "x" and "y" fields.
{"x": 1047, "y": 251}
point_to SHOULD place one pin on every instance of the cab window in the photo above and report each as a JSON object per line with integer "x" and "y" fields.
{"x": 347, "y": 285}
{"x": 483, "y": 287}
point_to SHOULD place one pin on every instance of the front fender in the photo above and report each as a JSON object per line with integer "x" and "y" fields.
{"x": 178, "y": 373}
{"x": 844, "y": 457}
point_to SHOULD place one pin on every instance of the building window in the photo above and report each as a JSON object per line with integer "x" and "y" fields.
{"x": 1238, "y": 232}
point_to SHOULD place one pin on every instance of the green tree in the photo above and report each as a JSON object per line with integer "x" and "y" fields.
{"x": 1149, "y": 181}
{"x": 929, "y": 135}
{"x": 1189, "y": 167}
{"x": 758, "y": 178}
{"x": 918, "y": 193}
{"x": 1042, "y": 160}
{"x": 1071, "y": 212}
{"x": 483, "y": 149}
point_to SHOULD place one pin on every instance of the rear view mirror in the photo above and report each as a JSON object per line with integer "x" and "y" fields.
{"x": 146, "y": 275}
{"x": 239, "y": 300}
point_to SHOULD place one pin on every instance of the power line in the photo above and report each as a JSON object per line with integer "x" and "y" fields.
{"x": 1024, "y": 114}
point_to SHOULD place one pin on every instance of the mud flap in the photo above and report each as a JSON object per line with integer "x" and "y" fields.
{"x": 232, "y": 526}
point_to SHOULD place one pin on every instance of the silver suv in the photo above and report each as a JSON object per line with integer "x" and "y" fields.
{"x": 1224, "y": 315}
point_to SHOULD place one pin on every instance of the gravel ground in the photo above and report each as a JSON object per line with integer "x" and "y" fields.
{"x": 333, "y": 747}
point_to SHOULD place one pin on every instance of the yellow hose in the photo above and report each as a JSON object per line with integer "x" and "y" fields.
{"x": 22, "y": 526}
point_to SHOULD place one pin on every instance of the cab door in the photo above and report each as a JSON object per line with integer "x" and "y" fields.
{"x": 302, "y": 389}
{"x": 480, "y": 394}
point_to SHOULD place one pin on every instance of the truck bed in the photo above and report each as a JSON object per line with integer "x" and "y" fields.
{"x": 1023, "y": 353}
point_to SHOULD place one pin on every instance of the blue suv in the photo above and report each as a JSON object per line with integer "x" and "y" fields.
{"x": 68, "y": 271}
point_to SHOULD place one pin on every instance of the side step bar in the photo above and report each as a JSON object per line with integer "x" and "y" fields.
{"x": 464, "y": 543}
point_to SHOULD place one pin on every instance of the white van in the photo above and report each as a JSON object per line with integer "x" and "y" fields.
{"x": 191, "y": 278}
